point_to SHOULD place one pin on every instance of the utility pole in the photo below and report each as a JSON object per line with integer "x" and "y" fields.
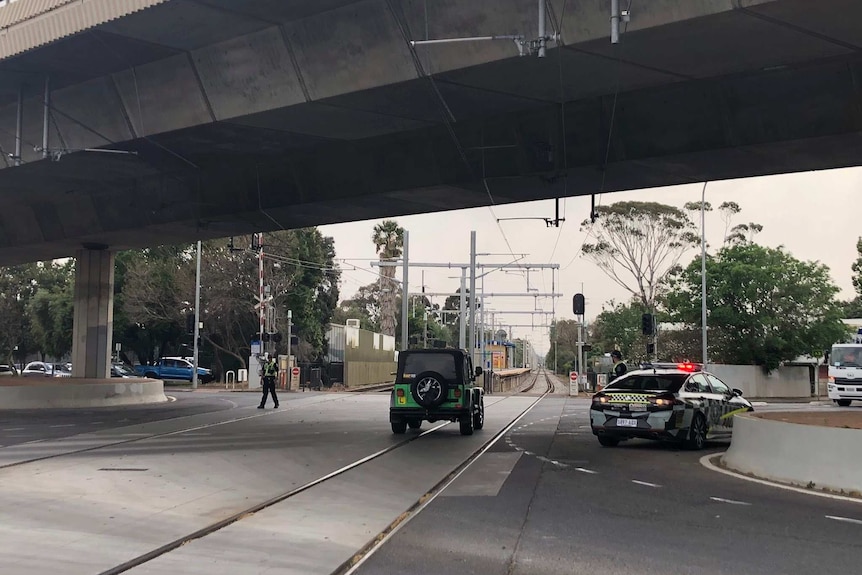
{"x": 197, "y": 331}
{"x": 262, "y": 317}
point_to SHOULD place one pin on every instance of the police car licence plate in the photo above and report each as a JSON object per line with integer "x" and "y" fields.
{"x": 627, "y": 422}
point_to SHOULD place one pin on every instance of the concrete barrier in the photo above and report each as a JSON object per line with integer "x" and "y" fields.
{"x": 46, "y": 393}
{"x": 805, "y": 455}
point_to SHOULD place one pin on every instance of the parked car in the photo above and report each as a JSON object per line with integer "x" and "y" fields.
{"x": 670, "y": 402}
{"x": 123, "y": 371}
{"x": 434, "y": 385}
{"x": 175, "y": 368}
{"x": 6, "y": 370}
{"x": 45, "y": 369}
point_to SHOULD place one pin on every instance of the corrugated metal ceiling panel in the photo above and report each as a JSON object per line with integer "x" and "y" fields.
{"x": 41, "y": 22}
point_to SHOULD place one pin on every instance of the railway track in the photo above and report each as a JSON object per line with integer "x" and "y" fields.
{"x": 548, "y": 381}
{"x": 255, "y": 507}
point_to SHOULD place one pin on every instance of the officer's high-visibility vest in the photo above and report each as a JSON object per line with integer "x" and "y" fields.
{"x": 270, "y": 369}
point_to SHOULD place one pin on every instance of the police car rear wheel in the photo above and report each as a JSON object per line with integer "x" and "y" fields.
{"x": 606, "y": 441}
{"x": 697, "y": 433}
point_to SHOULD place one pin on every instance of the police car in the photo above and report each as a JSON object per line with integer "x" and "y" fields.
{"x": 673, "y": 402}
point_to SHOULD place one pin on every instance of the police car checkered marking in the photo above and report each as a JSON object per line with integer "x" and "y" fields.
{"x": 628, "y": 398}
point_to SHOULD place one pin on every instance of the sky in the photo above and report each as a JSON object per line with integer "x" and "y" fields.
{"x": 816, "y": 216}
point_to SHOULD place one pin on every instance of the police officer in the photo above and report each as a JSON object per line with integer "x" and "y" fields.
{"x": 619, "y": 365}
{"x": 269, "y": 373}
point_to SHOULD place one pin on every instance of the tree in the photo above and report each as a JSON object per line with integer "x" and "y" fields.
{"x": 17, "y": 286}
{"x": 51, "y": 308}
{"x": 638, "y": 243}
{"x": 766, "y": 306}
{"x": 388, "y": 238}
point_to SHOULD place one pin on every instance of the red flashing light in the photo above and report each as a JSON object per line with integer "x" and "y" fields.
{"x": 686, "y": 366}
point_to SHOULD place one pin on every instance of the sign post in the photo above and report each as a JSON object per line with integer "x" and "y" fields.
{"x": 573, "y": 383}
{"x": 294, "y": 375}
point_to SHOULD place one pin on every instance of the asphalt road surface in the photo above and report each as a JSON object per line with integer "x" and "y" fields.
{"x": 87, "y": 489}
{"x": 570, "y": 506}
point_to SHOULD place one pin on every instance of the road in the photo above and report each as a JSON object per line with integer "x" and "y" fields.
{"x": 209, "y": 484}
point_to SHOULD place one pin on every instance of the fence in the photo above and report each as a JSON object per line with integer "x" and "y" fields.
{"x": 506, "y": 380}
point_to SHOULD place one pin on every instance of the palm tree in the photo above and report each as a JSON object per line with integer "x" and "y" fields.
{"x": 388, "y": 238}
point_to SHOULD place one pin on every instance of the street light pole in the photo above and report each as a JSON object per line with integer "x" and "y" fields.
{"x": 703, "y": 270}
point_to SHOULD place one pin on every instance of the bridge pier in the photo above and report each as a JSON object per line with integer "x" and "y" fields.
{"x": 94, "y": 313}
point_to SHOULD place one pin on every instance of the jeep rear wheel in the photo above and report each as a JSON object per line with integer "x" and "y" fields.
{"x": 479, "y": 415}
{"x": 399, "y": 427}
{"x": 414, "y": 423}
{"x": 429, "y": 389}
{"x": 466, "y": 422}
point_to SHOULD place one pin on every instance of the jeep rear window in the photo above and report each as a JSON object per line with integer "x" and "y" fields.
{"x": 442, "y": 363}
{"x": 665, "y": 382}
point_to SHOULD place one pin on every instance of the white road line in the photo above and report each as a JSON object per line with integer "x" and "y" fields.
{"x": 14, "y": 429}
{"x": 731, "y": 501}
{"x": 645, "y": 483}
{"x": 705, "y": 461}
{"x": 582, "y": 470}
{"x": 97, "y": 423}
{"x": 844, "y": 519}
{"x": 172, "y": 398}
{"x": 63, "y": 425}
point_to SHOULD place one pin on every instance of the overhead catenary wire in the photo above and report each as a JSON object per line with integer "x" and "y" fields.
{"x": 447, "y": 116}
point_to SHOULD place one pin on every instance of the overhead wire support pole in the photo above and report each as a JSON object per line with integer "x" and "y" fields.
{"x": 19, "y": 126}
{"x": 473, "y": 295}
{"x": 462, "y": 320}
{"x": 46, "y": 117}
{"x": 542, "y": 39}
{"x": 405, "y": 291}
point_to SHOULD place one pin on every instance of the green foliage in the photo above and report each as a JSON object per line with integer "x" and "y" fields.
{"x": 638, "y": 243}
{"x": 766, "y": 306}
{"x": 619, "y": 327}
{"x": 157, "y": 291}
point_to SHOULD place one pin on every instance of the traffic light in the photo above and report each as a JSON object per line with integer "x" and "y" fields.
{"x": 647, "y": 324}
{"x": 578, "y": 304}
{"x": 190, "y": 323}
{"x": 650, "y": 349}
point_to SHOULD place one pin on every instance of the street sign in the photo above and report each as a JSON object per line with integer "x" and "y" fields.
{"x": 295, "y": 372}
{"x": 573, "y": 383}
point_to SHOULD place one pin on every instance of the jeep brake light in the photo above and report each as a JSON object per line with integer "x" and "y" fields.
{"x": 457, "y": 394}
{"x": 399, "y": 392}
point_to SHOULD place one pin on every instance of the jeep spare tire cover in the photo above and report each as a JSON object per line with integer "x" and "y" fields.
{"x": 429, "y": 389}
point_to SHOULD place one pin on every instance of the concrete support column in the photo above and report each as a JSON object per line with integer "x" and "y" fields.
{"x": 94, "y": 313}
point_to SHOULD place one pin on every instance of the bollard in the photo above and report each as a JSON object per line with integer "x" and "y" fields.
{"x": 230, "y": 380}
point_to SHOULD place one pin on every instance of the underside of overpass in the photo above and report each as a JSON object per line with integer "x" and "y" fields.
{"x": 262, "y": 114}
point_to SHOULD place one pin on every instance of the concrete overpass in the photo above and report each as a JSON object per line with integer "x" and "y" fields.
{"x": 261, "y": 114}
